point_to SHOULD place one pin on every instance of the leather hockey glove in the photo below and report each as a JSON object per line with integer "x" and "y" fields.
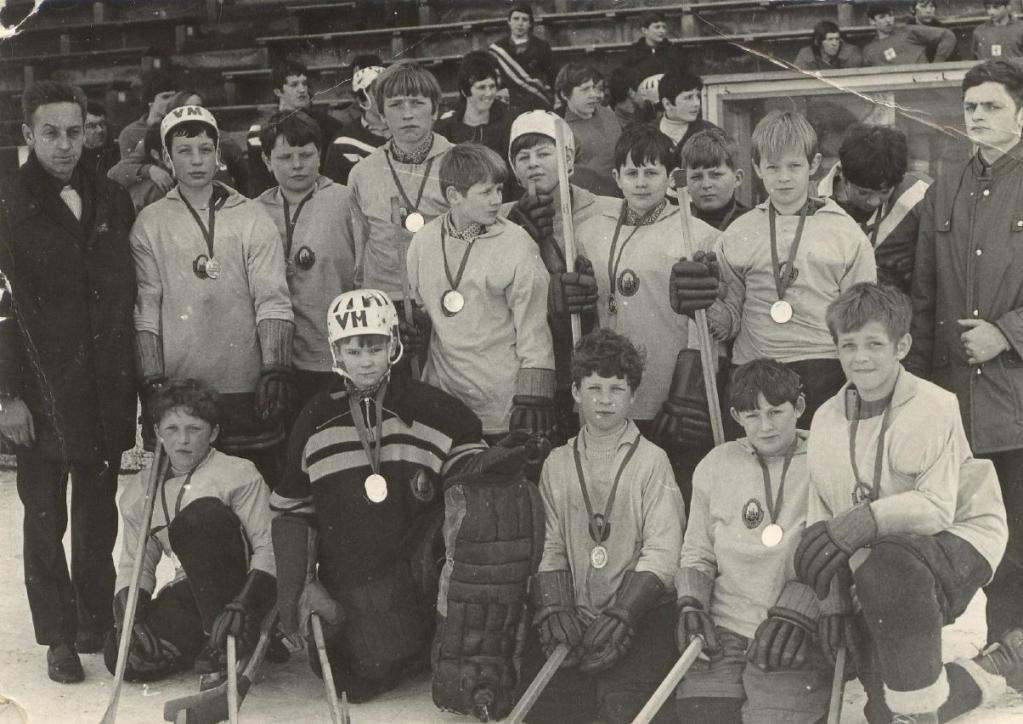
{"x": 556, "y": 617}
{"x": 782, "y": 640}
{"x": 274, "y": 388}
{"x": 533, "y": 403}
{"x": 609, "y": 637}
{"x": 535, "y": 214}
{"x": 895, "y": 261}
{"x": 573, "y": 292}
{"x": 415, "y": 335}
{"x": 694, "y": 621}
{"x": 826, "y": 546}
{"x": 144, "y": 643}
{"x": 835, "y": 631}
{"x": 316, "y": 599}
{"x": 684, "y": 419}
{"x": 695, "y": 284}
{"x": 241, "y": 617}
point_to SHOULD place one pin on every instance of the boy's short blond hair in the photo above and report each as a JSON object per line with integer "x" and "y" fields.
{"x": 781, "y": 132}
{"x": 867, "y": 302}
{"x": 406, "y": 78}
{"x": 468, "y": 164}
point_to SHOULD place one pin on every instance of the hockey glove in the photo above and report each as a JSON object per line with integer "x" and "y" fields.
{"x": 316, "y": 599}
{"x": 290, "y": 535}
{"x": 573, "y": 292}
{"x": 693, "y": 621}
{"x": 827, "y": 545}
{"x": 533, "y": 403}
{"x": 276, "y": 376}
{"x": 694, "y": 285}
{"x": 415, "y": 334}
{"x": 535, "y": 214}
{"x": 782, "y": 640}
{"x": 895, "y": 262}
{"x": 144, "y": 642}
{"x": 241, "y": 617}
{"x": 556, "y": 616}
{"x": 835, "y": 631}
{"x": 609, "y": 637}
{"x": 684, "y": 419}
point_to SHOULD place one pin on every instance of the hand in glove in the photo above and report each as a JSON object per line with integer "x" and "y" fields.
{"x": 535, "y": 214}
{"x": 684, "y": 418}
{"x": 826, "y": 546}
{"x": 694, "y": 285}
{"x": 143, "y": 641}
{"x": 241, "y": 617}
{"x": 835, "y": 631}
{"x": 609, "y": 637}
{"x": 782, "y": 640}
{"x": 573, "y": 292}
{"x": 274, "y": 391}
{"x": 556, "y": 617}
{"x": 533, "y": 403}
{"x": 693, "y": 621}
{"x": 895, "y": 261}
{"x": 316, "y": 599}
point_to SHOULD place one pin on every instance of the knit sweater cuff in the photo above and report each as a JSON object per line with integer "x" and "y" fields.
{"x": 535, "y": 382}
{"x": 694, "y": 584}
{"x": 800, "y": 598}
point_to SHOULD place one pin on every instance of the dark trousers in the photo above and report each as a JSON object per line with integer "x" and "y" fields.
{"x": 63, "y": 603}
{"x": 210, "y": 543}
{"x": 616, "y": 694}
{"x": 909, "y": 588}
{"x": 1005, "y": 592}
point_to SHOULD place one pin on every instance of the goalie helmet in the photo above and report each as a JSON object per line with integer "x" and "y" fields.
{"x": 361, "y": 82}
{"x": 363, "y": 311}
{"x": 187, "y": 114}
{"x": 650, "y": 88}
{"x": 544, "y": 123}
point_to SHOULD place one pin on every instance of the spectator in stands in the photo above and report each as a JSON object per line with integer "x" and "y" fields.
{"x": 1001, "y": 36}
{"x": 478, "y": 116}
{"x": 595, "y": 127}
{"x": 680, "y": 97}
{"x": 351, "y": 115}
{"x": 629, "y": 106}
{"x": 526, "y": 61}
{"x": 925, "y": 13}
{"x": 99, "y": 151}
{"x": 709, "y": 159}
{"x": 653, "y": 52}
{"x": 290, "y": 81}
{"x": 828, "y": 51}
{"x": 158, "y": 90}
{"x": 358, "y": 139}
{"x": 144, "y": 191}
{"x": 905, "y": 44}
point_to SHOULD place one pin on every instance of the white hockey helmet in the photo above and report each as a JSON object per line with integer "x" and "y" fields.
{"x": 649, "y": 88}
{"x": 186, "y": 114}
{"x": 363, "y": 311}
{"x": 544, "y": 123}
{"x": 361, "y": 82}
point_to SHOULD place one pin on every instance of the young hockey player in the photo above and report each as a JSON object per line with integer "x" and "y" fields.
{"x": 614, "y": 531}
{"x": 594, "y": 125}
{"x": 366, "y": 464}
{"x": 916, "y": 518}
{"x": 484, "y": 287}
{"x": 905, "y": 44}
{"x": 213, "y": 302}
{"x": 314, "y": 221}
{"x": 395, "y": 189}
{"x": 212, "y": 518}
{"x": 736, "y": 586}
{"x": 532, "y": 154}
{"x": 679, "y": 95}
{"x": 709, "y": 160}
{"x": 781, "y": 264}
{"x": 1001, "y": 36}
{"x": 871, "y": 184}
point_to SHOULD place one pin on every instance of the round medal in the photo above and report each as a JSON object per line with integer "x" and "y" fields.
{"x": 376, "y": 488}
{"x": 414, "y": 222}
{"x": 598, "y": 557}
{"x": 628, "y": 283}
{"x": 772, "y": 535}
{"x": 305, "y": 258}
{"x": 199, "y": 265}
{"x": 452, "y": 302}
{"x": 213, "y": 269}
{"x": 781, "y": 311}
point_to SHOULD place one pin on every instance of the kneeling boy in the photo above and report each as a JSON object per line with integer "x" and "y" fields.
{"x": 213, "y": 519}
{"x": 916, "y": 518}
{"x": 736, "y": 586}
{"x": 614, "y": 532}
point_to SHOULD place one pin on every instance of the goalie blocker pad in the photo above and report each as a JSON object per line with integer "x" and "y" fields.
{"x": 493, "y": 531}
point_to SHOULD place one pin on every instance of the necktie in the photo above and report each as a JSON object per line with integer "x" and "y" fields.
{"x": 73, "y": 201}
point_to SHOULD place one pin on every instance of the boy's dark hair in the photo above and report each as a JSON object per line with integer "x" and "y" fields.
{"x": 297, "y": 128}
{"x": 650, "y": 17}
{"x": 44, "y": 92}
{"x": 781, "y": 132}
{"x": 194, "y": 397}
{"x": 190, "y": 129}
{"x": 520, "y": 7}
{"x": 365, "y": 60}
{"x": 573, "y": 75}
{"x": 820, "y": 31}
{"x": 607, "y": 354}
{"x": 995, "y": 2}
{"x": 468, "y": 164}
{"x": 644, "y": 144}
{"x": 1005, "y": 72}
{"x": 866, "y": 302}
{"x": 156, "y": 82}
{"x": 874, "y": 157}
{"x": 710, "y": 149}
{"x": 405, "y": 78}
{"x": 476, "y": 66}
{"x": 875, "y": 9}
{"x": 671, "y": 84}
{"x": 95, "y": 108}
{"x": 620, "y": 82}
{"x": 281, "y": 71}
{"x": 777, "y": 382}
{"x": 528, "y": 140}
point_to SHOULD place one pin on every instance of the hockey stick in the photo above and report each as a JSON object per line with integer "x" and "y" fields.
{"x": 538, "y": 684}
{"x": 667, "y": 687}
{"x": 837, "y": 687}
{"x": 232, "y": 679}
{"x": 567, "y": 223}
{"x": 157, "y": 470}
{"x": 406, "y": 290}
{"x": 211, "y": 706}
{"x": 321, "y": 646}
{"x": 708, "y": 356}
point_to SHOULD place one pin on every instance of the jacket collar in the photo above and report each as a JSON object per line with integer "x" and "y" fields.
{"x": 1008, "y": 162}
{"x": 274, "y": 197}
{"x": 628, "y": 435}
{"x": 233, "y": 197}
{"x": 40, "y": 193}
{"x": 397, "y": 398}
{"x": 906, "y": 386}
{"x": 802, "y": 436}
{"x": 825, "y": 205}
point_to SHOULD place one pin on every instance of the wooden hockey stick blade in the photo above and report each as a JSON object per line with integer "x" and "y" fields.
{"x": 156, "y": 472}
{"x": 837, "y": 688}
{"x": 538, "y": 684}
{"x": 232, "y": 679}
{"x": 667, "y": 687}
{"x": 346, "y": 717}
{"x": 210, "y": 706}
{"x": 328, "y": 673}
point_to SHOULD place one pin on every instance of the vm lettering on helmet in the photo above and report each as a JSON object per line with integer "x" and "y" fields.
{"x": 353, "y": 319}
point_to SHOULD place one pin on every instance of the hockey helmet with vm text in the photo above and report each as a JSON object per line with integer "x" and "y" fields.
{"x": 363, "y": 311}
{"x": 186, "y": 114}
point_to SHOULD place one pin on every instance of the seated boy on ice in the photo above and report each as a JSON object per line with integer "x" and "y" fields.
{"x": 913, "y": 517}
{"x": 614, "y": 532}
